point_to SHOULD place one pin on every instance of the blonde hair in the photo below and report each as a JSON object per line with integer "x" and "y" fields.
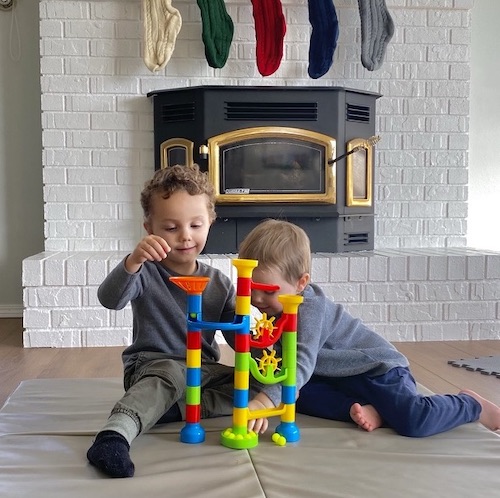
{"x": 171, "y": 179}
{"x": 281, "y": 246}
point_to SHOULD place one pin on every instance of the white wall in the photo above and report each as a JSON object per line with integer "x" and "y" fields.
{"x": 97, "y": 122}
{"x": 21, "y": 205}
{"x": 484, "y": 165}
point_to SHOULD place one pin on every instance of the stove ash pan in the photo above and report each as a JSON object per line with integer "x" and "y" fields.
{"x": 303, "y": 154}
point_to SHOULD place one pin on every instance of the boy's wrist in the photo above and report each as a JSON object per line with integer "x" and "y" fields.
{"x": 130, "y": 266}
{"x": 264, "y": 400}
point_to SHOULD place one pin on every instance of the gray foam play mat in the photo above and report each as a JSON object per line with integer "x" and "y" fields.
{"x": 487, "y": 365}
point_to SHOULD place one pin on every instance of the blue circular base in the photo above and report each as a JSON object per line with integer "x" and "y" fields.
{"x": 289, "y": 430}
{"x": 192, "y": 433}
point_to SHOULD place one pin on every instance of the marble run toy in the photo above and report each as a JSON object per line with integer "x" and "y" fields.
{"x": 269, "y": 369}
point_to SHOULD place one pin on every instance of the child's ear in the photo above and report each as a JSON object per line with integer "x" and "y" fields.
{"x": 303, "y": 281}
{"x": 147, "y": 227}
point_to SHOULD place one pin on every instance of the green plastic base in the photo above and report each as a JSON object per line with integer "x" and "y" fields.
{"x": 239, "y": 441}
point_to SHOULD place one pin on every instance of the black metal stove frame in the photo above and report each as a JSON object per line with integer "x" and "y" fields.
{"x": 198, "y": 113}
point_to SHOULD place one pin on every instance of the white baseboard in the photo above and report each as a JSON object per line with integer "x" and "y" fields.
{"x": 11, "y": 310}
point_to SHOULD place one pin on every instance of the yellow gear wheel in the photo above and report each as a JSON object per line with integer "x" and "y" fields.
{"x": 263, "y": 325}
{"x": 269, "y": 360}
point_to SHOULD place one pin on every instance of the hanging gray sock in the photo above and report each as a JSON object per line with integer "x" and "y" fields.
{"x": 377, "y": 28}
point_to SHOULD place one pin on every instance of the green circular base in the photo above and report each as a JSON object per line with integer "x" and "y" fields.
{"x": 239, "y": 441}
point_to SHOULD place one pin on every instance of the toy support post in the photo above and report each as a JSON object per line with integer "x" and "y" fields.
{"x": 193, "y": 432}
{"x": 239, "y": 436}
{"x": 288, "y": 428}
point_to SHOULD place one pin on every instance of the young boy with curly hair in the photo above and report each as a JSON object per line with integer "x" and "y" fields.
{"x": 346, "y": 371}
{"x": 178, "y": 204}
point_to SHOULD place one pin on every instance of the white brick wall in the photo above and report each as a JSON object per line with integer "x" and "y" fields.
{"x": 97, "y": 122}
{"x": 422, "y": 294}
{"x": 98, "y": 151}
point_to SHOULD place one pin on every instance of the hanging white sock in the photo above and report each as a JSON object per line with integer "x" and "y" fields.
{"x": 162, "y": 24}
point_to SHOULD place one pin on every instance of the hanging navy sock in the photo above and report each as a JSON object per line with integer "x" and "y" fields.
{"x": 324, "y": 36}
{"x": 110, "y": 454}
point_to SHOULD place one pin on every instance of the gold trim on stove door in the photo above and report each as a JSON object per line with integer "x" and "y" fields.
{"x": 359, "y": 173}
{"x": 180, "y": 143}
{"x": 215, "y": 143}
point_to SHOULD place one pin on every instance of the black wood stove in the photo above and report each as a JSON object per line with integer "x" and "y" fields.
{"x": 304, "y": 154}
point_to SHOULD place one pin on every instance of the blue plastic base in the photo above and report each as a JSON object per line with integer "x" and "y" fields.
{"x": 289, "y": 430}
{"x": 192, "y": 433}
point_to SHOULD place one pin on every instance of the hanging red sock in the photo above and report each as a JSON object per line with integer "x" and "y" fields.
{"x": 270, "y": 29}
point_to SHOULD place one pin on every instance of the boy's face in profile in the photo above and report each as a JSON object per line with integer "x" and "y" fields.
{"x": 267, "y": 301}
{"x": 183, "y": 221}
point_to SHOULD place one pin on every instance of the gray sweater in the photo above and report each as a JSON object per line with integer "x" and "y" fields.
{"x": 332, "y": 343}
{"x": 160, "y": 308}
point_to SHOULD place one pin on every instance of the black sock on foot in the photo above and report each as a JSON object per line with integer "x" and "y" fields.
{"x": 110, "y": 454}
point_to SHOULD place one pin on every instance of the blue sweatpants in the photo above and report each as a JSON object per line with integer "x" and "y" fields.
{"x": 394, "y": 395}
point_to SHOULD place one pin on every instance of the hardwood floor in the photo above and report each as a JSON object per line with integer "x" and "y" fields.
{"x": 18, "y": 363}
{"x": 428, "y": 363}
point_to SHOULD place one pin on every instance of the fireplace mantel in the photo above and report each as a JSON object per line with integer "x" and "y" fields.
{"x": 405, "y": 295}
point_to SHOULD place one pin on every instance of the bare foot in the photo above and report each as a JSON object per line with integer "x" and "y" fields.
{"x": 365, "y": 416}
{"x": 490, "y": 413}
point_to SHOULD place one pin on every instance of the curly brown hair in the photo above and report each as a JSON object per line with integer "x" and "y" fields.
{"x": 172, "y": 179}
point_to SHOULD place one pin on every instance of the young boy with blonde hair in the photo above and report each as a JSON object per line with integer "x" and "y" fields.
{"x": 346, "y": 371}
{"x": 178, "y": 205}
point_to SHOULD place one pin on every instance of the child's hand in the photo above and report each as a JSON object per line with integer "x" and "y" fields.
{"x": 260, "y": 402}
{"x": 150, "y": 248}
{"x": 258, "y": 425}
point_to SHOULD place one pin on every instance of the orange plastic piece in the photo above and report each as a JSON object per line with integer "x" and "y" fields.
{"x": 192, "y": 285}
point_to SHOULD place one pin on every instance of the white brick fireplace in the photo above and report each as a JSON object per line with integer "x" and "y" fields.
{"x": 421, "y": 282}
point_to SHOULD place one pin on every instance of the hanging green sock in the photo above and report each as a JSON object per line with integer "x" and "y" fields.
{"x": 217, "y": 31}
